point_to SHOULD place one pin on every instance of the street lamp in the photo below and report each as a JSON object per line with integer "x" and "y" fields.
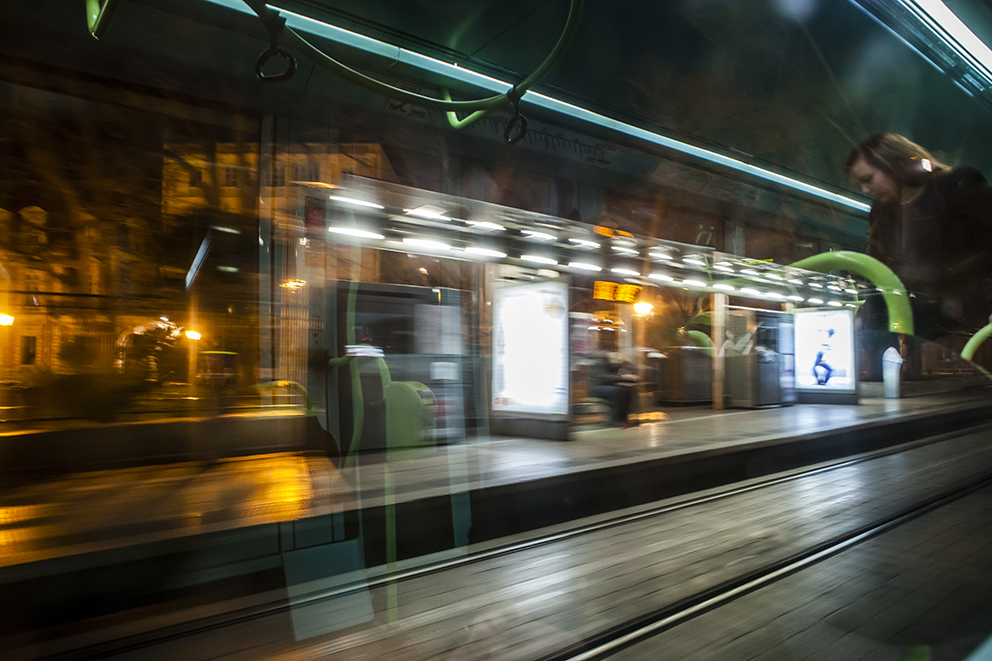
{"x": 193, "y": 335}
{"x": 643, "y": 308}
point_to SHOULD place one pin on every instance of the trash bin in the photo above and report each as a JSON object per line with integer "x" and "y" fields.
{"x": 891, "y": 366}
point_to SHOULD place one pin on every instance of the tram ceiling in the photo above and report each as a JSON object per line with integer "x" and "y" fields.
{"x": 782, "y": 84}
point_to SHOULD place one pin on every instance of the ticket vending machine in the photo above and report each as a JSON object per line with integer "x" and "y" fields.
{"x": 759, "y": 358}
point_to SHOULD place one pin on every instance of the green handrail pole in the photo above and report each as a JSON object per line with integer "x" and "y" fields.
{"x": 892, "y": 289}
{"x": 976, "y": 341}
{"x": 98, "y": 17}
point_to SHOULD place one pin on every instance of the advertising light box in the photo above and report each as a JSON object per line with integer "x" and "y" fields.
{"x": 825, "y": 354}
{"x": 530, "y": 349}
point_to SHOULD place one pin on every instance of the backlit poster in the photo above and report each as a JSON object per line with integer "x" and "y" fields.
{"x": 825, "y": 351}
{"x": 530, "y": 348}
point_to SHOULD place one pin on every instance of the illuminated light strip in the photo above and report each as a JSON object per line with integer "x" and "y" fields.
{"x": 583, "y": 266}
{"x": 625, "y": 272}
{"x": 353, "y": 201}
{"x": 537, "y": 259}
{"x": 694, "y": 283}
{"x": 953, "y": 32}
{"x": 353, "y": 231}
{"x": 538, "y": 236}
{"x": 662, "y": 277}
{"x": 455, "y": 72}
{"x": 723, "y": 287}
{"x": 427, "y": 243}
{"x": 486, "y": 252}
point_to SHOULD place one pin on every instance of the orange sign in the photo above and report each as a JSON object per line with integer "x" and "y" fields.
{"x": 611, "y": 291}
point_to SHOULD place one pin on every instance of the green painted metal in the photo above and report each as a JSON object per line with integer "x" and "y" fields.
{"x": 475, "y": 106}
{"x": 99, "y": 17}
{"x": 700, "y": 339}
{"x": 891, "y": 288}
{"x": 976, "y": 341}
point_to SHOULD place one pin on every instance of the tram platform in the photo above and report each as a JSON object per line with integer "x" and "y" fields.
{"x": 204, "y": 523}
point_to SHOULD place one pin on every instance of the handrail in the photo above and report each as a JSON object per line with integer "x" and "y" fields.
{"x": 474, "y": 106}
{"x": 98, "y": 17}
{"x": 976, "y": 340}
{"x": 891, "y": 288}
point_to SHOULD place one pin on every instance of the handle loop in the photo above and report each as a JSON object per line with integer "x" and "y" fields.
{"x": 517, "y": 122}
{"x": 275, "y": 26}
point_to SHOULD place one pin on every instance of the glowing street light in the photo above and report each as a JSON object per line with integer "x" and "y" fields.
{"x": 193, "y": 335}
{"x": 643, "y": 308}
{"x": 6, "y": 320}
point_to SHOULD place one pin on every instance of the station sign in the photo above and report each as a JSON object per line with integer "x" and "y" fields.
{"x": 611, "y": 291}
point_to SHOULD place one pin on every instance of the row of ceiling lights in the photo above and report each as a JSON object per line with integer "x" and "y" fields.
{"x": 621, "y": 249}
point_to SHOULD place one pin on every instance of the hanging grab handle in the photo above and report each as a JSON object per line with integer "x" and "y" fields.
{"x": 274, "y": 26}
{"x": 518, "y": 122}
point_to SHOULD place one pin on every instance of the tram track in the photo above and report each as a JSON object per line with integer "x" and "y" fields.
{"x": 620, "y": 635}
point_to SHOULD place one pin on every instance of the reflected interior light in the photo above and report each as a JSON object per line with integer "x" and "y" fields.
{"x": 357, "y": 203}
{"x": 659, "y": 255}
{"x": 625, "y": 271}
{"x": 723, "y": 286}
{"x": 538, "y": 259}
{"x": 538, "y": 236}
{"x": 584, "y": 243}
{"x": 295, "y": 283}
{"x": 6, "y": 320}
{"x": 595, "y": 328}
{"x": 228, "y": 269}
{"x": 193, "y": 335}
{"x": 486, "y": 252}
{"x": 428, "y": 212}
{"x": 229, "y": 230}
{"x": 814, "y": 301}
{"x": 834, "y": 303}
{"x": 486, "y": 225}
{"x": 643, "y": 307}
{"x": 851, "y": 291}
{"x": 772, "y": 276}
{"x": 585, "y": 266}
{"x": 797, "y": 282}
{"x": 750, "y": 290}
{"x": 662, "y": 277}
{"x": 427, "y": 244}
{"x": 694, "y": 283}
{"x": 423, "y": 270}
{"x": 354, "y": 231}
{"x": 834, "y": 288}
{"x": 624, "y": 250}
{"x": 774, "y": 294}
{"x": 694, "y": 260}
{"x": 796, "y": 298}
{"x": 749, "y": 272}
{"x": 725, "y": 269}
{"x": 816, "y": 285}
{"x": 165, "y": 319}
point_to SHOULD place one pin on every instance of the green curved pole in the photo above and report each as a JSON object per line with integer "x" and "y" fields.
{"x": 485, "y": 104}
{"x": 98, "y": 17}
{"x": 976, "y": 340}
{"x": 700, "y": 339}
{"x": 891, "y": 288}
